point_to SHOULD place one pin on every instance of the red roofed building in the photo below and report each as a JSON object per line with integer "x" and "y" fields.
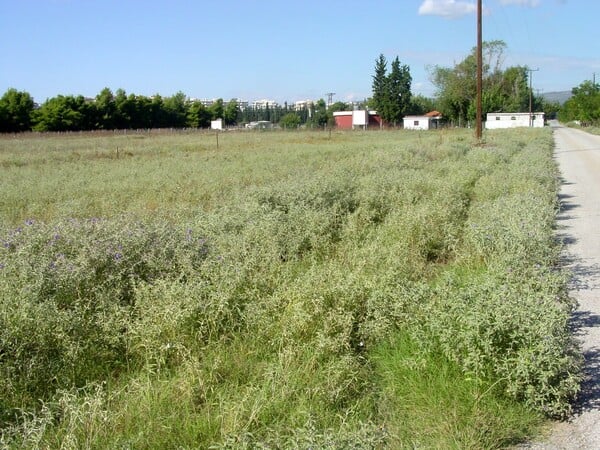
{"x": 431, "y": 120}
{"x": 349, "y": 120}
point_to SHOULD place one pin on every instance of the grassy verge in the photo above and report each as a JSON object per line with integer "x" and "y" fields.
{"x": 288, "y": 290}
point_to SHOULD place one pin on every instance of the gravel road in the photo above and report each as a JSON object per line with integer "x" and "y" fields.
{"x": 578, "y": 156}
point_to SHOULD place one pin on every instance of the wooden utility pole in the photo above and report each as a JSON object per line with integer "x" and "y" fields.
{"x": 531, "y": 96}
{"x": 478, "y": 124}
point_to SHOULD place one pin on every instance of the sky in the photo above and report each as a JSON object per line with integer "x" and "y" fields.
{"x": 280, "y": 50}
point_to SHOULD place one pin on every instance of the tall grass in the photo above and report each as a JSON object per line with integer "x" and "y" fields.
{"x": 286, "y": 290}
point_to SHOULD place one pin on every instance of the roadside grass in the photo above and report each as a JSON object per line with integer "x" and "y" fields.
{"x": 287, "y": 290}
{"x": 428, "y": 402}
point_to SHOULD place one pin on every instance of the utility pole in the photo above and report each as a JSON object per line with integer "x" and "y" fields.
{"x": 329, "y": 98}
{"x": 478, "y": 124}
{"x": 531, "y": 96}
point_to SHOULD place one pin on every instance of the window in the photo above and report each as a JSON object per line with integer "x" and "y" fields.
{"x": 416, "y": 123}
{"x": 497, "y": 117}
{"x": 513, "y": 118}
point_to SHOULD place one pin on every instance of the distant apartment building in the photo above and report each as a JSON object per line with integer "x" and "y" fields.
{"x": 264, "y": 104}
{"x": 242, "y": 104}
{"x": 303, "y": 104}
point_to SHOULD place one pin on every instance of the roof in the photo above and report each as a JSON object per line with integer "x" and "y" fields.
{"x": 349, "y": 113}
{"x": 512, "y": 113}
{"x": 429, "y": 115}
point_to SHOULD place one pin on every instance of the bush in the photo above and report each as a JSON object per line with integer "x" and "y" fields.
{"x": 68, "y": 294}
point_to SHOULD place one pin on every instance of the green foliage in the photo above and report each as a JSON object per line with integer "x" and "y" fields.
{"x": 420, "y": 105}
{"x": 231, "y": 112}
{"x": 290, "y": 121}
{"x": 105, "y": 110}
{"x": 391, "y": 92}
{"x": 503, "y": 89}
{"x": 427, "y": 401}
{"x": 379, "y": 85}
{"x": 77, "y": 291}
{"x": 298, "y": 291}
{"x": 175, "y": 109}
{"x": 62, "y": 113}
{"x": 583, "y": 106}
{"x": 216, "y": 109}
{"x": 15, "y": 111}
{"x": 198, "y": 115}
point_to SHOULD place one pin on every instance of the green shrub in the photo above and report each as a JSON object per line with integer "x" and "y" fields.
{"x": 68, "y": 294}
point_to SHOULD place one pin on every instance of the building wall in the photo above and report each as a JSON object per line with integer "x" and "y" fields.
{"x": 375, "y": 121}
{"x": 343, "y": 122}
{"x": 359, "y": 119}
{"x": 416, "y": 122}
{"x": 512, "y": 120}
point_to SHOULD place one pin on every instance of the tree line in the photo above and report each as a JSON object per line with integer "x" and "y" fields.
{"x": 119, "y": 110}
{"x": 584, "y": 105}
{"x": 504, "y": 90}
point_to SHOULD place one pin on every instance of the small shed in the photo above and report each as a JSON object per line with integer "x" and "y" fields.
{"x": 431, "y": 120}
{"x": 514, "y": 120}
{"x": 349, "y": 120}
{"x": 260, "y": 124}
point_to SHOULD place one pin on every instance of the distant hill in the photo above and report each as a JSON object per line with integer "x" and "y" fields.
{"x": 559, "y": 96}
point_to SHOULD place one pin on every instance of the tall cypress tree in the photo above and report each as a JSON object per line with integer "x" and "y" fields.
{"x": 391, "y": 93}
{"x": 398, "y": 82}
{"x": 380, "y": 86}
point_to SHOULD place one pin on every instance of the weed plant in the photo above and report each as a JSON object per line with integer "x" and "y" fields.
{"x": 286, "y": 290}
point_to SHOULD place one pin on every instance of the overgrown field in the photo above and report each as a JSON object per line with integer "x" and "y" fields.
{"x": 286, "y": 290}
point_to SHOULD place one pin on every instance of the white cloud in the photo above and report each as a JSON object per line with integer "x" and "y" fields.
{"x": 448, "y": 9}
{"x": 530, "y": 3}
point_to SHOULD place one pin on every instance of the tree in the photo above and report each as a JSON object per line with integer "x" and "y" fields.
{"x": 105, "y": 110}
{"x": 391, "y": 93}
{"x": 503, "y": 90}
{"x": 197, "y": 115}
{"x": 63, "y": 113}
{"x": 16, "y": 108}
{"x": 216, "y": 109}
{"x": 584, "y": 105}
{"x": 338, "y": 106}
{"x": 231, "y": 112}
{"x": 318, "y": 114}
{"x": 379, "y": 86}
{"x": 174, "y": 108}
{"x": 290, "y": 120}
{"x": 420, "y": 105}
{"x": 398, "y": 92}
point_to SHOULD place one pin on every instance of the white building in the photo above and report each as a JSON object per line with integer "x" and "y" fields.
{"x": 513, "y": 120}
{"x": 303, "y": 104}
{"x": 429, "y": 121}
{"x": 242, "y": 104}
{"x": 263, "y": 104}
